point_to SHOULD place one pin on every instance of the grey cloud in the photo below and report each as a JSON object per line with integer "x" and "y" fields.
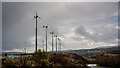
{"x": 100, "y": 33}
{"x": 62, "y": 18}
{"x": 0, "y": 26}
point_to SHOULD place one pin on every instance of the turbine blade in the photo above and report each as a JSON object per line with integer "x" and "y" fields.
{"x": 36, "y": 13}
{"x": 39, "y": 17}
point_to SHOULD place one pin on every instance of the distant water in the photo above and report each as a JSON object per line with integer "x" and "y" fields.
{"x": 93, "y": 66}
{"x": 14, "y": 56}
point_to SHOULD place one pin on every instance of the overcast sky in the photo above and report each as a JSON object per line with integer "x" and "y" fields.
{"x": 80, "y": 25}
{"x": 60, "y": 0}
{"x": 0, "y": 26}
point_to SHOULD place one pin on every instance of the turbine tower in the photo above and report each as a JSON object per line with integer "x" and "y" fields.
{"x": 46, "y": 26}
{"x": 36, "y": 17}
{"x": 25, "y": 46}
{"x": 52, "y": 40}
{"x": 59, "y": 43}
{"x": 56, "y": 42}
{"x": 43, "y": 44}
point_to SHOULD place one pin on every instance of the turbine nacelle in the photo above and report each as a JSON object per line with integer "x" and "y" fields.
{"x": 45, "y": 26}
{"x": 36, "y": 16}
{"x": 51, "y": 32}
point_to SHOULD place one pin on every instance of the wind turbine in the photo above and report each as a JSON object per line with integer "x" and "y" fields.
{"x": 52, "y": 40}
{"x": 59, "y": 43}
{"x": 36, "y": 17}
{"x": 56, "y": 42}
{"x": 46, "y": 26}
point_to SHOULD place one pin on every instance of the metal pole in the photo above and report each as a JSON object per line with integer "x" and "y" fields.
{"x": 36, "y": 17}
{"x": 56, "y": 43}
{"x": 36, "y": 33}
{"x": 46, "y": 38}
{"x": 43, "y": 45}
{"x": 25, "y": 54}
{"x": 25, "y": 47}
{"x": 60, "y": 45}
{"x": 52, "y": 40}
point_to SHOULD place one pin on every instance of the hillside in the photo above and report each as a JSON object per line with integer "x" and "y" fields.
{"x": 46, "y": 60}
{"x": 69, "y": 60}
{"x": 114, "y": 49}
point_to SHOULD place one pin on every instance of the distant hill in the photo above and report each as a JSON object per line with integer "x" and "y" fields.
{"x": 84, "y": 51}
{"x": 95, "y": 50}
{"x": 11, "y": 52}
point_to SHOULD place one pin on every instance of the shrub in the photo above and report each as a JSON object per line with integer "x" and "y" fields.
{"x": 39, "y": 55}
{"x": 44, "y": 63}
{"x": 7, "y": 62}
{"x": 51, "y": 65}
{"x": 109, "y": 61}
{"x": 59, "y": 59}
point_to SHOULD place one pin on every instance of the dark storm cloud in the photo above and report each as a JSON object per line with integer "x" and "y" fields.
{"x": 67, "y": 20}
